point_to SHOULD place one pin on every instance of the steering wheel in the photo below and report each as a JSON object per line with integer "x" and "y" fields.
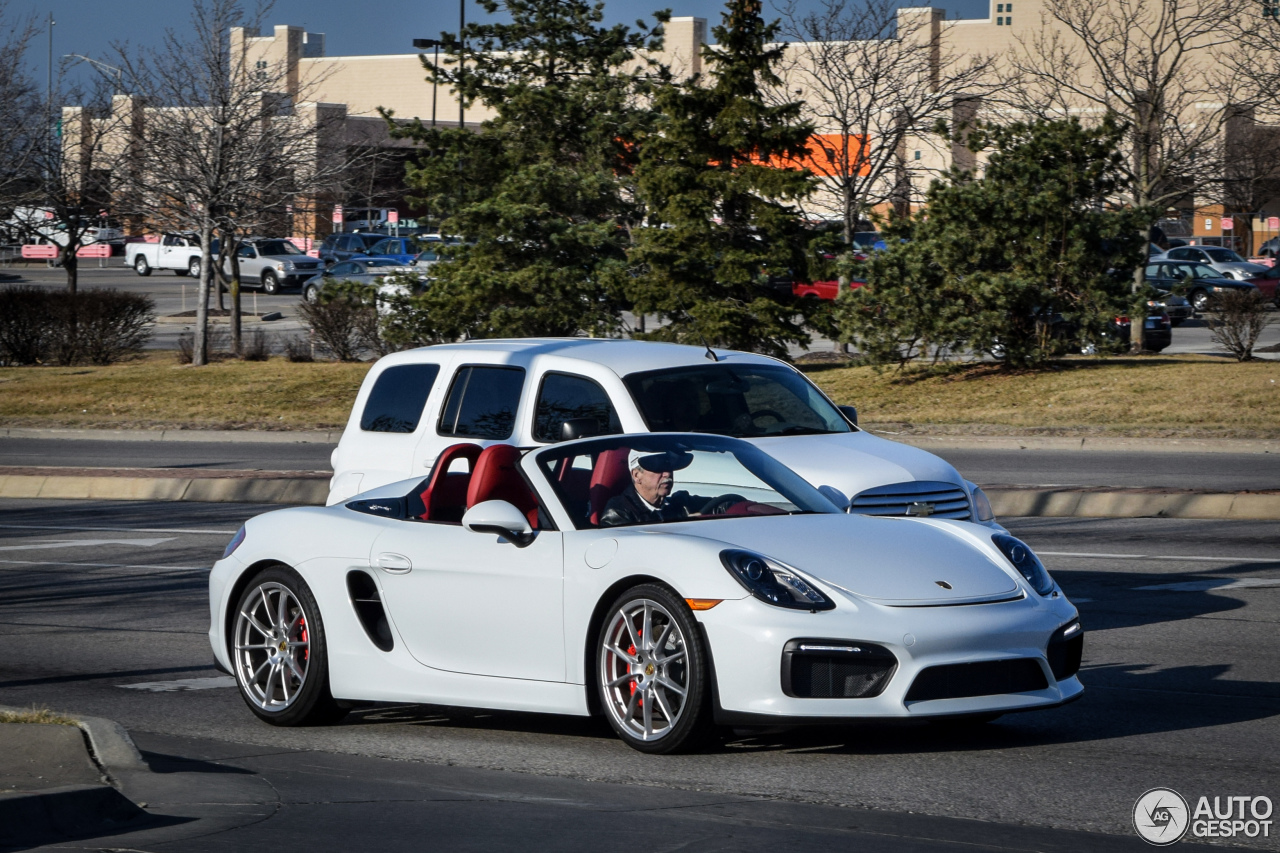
{"x": 721, "y": 505}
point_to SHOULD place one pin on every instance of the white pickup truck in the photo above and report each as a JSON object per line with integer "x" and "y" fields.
{"x": 177, "y": 252}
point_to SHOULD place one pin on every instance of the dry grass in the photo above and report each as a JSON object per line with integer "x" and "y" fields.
{"x": 157, "y": 393}
{"x": 1184, "y": 396}
{"x": 1176, "y": 396}
{"x": 41, "y": 715}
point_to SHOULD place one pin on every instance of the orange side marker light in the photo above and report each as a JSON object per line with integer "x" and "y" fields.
{"x": 702, "y": 603}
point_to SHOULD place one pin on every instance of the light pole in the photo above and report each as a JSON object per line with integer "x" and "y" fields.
{"x": 119, "y": 75}
{"x": 427, "y": 44}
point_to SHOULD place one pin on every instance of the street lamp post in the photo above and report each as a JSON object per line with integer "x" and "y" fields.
{"x": 426, "y": 44}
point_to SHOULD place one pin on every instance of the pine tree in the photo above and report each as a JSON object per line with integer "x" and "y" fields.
{"x": 539, "y": 192}
{"x": 720, "y": 199}
{"x": 1020, "y": 263}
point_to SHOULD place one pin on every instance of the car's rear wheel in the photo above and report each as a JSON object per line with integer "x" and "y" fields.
{"x": 193, "y": 267}
{"x": 652, "y": 671}
{"x": 140, "y": 266}
{"x": 278, "y": 652}
{"x": 270, "y": 284}
{"x": 1199, "y": 300}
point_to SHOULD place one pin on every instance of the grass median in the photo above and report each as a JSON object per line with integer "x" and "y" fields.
{"x": 1177, "y": 396}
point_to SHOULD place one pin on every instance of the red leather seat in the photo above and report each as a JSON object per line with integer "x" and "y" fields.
{"x": 496, "y": 478}
{"x": 609, "y": 478}
{"x": 445, "y": 497}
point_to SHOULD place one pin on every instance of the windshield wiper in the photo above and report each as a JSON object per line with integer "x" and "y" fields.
{"x": 802, "y": 430}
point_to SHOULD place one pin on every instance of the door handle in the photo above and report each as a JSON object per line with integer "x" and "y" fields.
{"x": 394, "y": 563}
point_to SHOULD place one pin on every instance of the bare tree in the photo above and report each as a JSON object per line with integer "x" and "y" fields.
{"x": 1156, "y": 65}
{"x": 23, "y": 114}
{"x": 878, "y": 79}
{"x": 228, "y": 141}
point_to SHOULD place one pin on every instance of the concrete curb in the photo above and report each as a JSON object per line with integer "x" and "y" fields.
{"x": 1006, "y": 501}
{"x": 76, "y": 809}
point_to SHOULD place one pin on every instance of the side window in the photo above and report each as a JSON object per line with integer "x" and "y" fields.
{"x": 344, "y": 268}
{"x": 563, "y": 397}
{"x": 386, "y": 247}
{"x": 1178, "y": 254}
{"x": 396, "y": 401}
{"x": 482, "y": 402}
{"x": 246, "y": 252}
{"x": 1153, "y": 271}
{"x": 171, "y": 240}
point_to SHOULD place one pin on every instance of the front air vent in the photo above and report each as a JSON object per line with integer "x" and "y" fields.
{"x": 1066, "y": 648}
{"x": 985, "y": 678}
{"x": 836, "y": 669}
{"x": 368, "y": 605}
{"x": 920, "y": 498}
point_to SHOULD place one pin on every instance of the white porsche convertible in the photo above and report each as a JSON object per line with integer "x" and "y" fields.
{"x": 671, "y": 582}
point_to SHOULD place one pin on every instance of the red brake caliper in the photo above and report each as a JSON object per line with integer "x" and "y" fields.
{"x": 632, "y": 651}
{"x": 302, "y": 623}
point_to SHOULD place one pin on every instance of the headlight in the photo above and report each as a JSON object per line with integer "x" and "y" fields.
{"x": 772, "y": 582}
{"x": 1025, "y": 561}
{"x": 281, "y": 266}
{"x": 982, "y": 505}
{"x": 234, "y": 543}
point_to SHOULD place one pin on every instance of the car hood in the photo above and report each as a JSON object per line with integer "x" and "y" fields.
{"x": 894, "y": 561}
{"x": 1240, "y": 265}
{"x": 852, "y": 462}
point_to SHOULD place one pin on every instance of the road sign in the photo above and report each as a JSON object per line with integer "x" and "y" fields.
{"x": 337, "y": 213}
{"x": 393, "y": 217}
{"x": 1227, "y": 223}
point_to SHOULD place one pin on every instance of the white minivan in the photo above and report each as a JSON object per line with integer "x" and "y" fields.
{"x": 533, "y": 392}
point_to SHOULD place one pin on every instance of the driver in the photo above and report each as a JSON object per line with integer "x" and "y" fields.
{"x": 649, "y": 498}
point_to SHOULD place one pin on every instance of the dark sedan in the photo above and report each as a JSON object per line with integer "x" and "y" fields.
{"x": 1202, "y": 282}
{"x": 363, "y": 270}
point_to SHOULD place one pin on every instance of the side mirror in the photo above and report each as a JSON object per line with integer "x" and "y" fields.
{"x": 501, "y": 518}
{"x": 579, "y": 428}
{"x": 850, "y": 412}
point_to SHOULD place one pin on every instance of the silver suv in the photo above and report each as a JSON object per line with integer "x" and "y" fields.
{"x": 273, "y": 264}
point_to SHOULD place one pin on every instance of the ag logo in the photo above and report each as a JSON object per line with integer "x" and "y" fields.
{"x": 1161, "y": 816}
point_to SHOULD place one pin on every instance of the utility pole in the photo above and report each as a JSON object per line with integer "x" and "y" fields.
{"x": 462, "y": 57}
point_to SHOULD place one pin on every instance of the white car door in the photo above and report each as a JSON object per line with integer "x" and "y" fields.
{"x": 472, "y": 603}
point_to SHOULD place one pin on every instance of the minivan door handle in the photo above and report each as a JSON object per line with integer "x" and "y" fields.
{"x": 394, "y": 563}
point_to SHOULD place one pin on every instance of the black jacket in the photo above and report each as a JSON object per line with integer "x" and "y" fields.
{"x": 629, "y": 508}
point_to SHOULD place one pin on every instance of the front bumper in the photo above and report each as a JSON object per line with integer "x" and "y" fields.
{"x": 746, "y": 639}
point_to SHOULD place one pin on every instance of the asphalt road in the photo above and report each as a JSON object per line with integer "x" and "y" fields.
{"x": 174, "y": 294}
{"x": 103, "y": 611}
{"x": 1032, "y": 467}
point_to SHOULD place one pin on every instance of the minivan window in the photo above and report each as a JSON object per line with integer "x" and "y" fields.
{"x": 396, "y": 401}
{"x": 482, "y": 402}
{"x": 564, "y": 397}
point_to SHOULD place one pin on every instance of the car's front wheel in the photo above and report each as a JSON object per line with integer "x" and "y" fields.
{"x": 652, "y": 671}
{"x": 140, "y": 266}
{"x": 270, "y": 284}
{"x": 278, "y": 652}
{"x": 193, "y": 267}
{"x": 1199, "y": 300}
{"x": 311, "y": 294}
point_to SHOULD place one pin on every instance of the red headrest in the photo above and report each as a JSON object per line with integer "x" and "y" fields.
{"x": 445, "y": 492}
{"x": 496, "y": 478}
{"x": 609, "y": 478}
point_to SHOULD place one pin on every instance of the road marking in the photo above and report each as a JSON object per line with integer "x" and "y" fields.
{"x": 81, "y": 543}
{"x": 1160, "y": 557}
{"x": 103, "y": 565}
{"x": 1214, "y": 584}
{"x": 117, "y": 529}
{"x": 182, "y": 684}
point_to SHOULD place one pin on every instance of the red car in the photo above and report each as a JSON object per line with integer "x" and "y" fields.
{"x": 822, "y": 289}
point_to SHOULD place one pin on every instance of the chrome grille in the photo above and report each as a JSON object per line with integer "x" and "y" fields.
{"x": 919, "y": 498}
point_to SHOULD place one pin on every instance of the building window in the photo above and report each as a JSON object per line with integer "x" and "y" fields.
{"x": 999, "y": 22}
{"x": 917, "y": 153}
{"x": 1000, "y": 7}
{"x": 1271, "y": 8}
{"x": 1008, "y": 22}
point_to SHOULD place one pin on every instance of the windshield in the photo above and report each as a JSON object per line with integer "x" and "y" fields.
{"x": 744, "y": 401}
{"x": 278, "y": 247}
{"x": 1223, "y": 256}
{"x": 626, "y": 480}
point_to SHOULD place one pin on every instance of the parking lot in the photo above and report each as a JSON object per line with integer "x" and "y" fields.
{"x": 103, "y": 612}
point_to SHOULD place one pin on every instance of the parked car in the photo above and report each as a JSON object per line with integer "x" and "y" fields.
{"x": 179, "y": 252}
{"x": 869, "y": 240}
{"x": 822, "y": 289}
{"x": 1225, "y": 261}
{"x": 1266, "y": 283}
{"x": 489, "y": 580}
{"x": 273, "y": 264}
{"x": 1175, "y": 307}
{"x": 365, "y": 218}
{"x": 362, "y": 270}
{"x": 1157, "y": 333}
{"x": 403, "y": 250}
{"x": 1202, "y": 282}
{"x": 344, "y": 247}
{"x": 414, "y": 404}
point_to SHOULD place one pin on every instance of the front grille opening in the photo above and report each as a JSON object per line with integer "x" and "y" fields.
{"x": 836, "y": 669}
{"x": 985, "y": 678}
{"x": 915, "y": 498}
{"x": 1065, "y": 652}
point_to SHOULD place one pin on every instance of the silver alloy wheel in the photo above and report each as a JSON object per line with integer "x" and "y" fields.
{"x": 193, "y": 268}
{"x": 644, "y": 669}
{"x": 272, "y": 651}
